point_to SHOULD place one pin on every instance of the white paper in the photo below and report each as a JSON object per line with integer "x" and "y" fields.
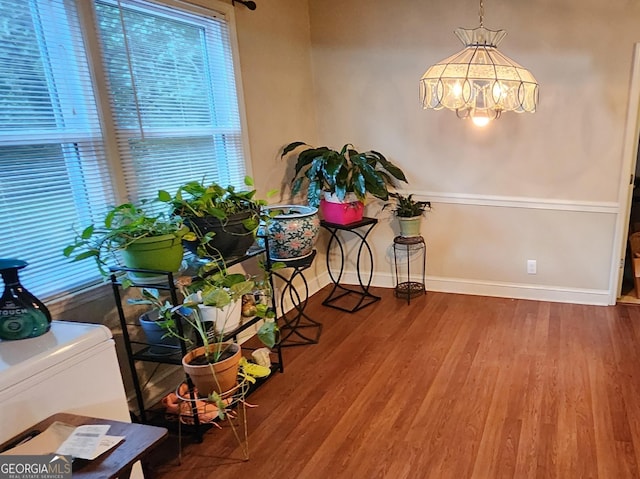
{"x": 84, "y": 441}
{"x": 106, "y": 443}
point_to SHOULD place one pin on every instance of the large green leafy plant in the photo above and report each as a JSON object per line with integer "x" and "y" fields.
{"x": 342, "y": 172}
{"x": 215, "y": 286}
{"x": 196, "y": 201}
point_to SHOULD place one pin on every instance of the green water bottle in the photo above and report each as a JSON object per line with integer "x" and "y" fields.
{"x": 22, "y": 315}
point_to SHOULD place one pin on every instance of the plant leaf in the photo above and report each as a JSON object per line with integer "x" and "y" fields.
{"x": 164, "y": 196}
{"x": 87, "y": 232}
{"x": 390, "y": 167}
{"x": 87, "y": 254}
{"x": 291, "y": 147}
{"x": 268, "y": 333}
{"x": 307, "y": 156}
{"x": 217, "y": 297}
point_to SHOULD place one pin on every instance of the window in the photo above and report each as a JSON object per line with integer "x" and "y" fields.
{"x": 173, "y": 96}
{"x": 172, "y": 115}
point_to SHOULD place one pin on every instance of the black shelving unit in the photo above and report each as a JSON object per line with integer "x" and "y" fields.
{"x": 140, "y": 351}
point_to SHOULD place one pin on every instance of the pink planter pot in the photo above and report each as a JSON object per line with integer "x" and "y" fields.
{"x": 341, "y": 213}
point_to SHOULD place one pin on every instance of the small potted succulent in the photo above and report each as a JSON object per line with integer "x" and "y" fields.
{"x": 223, "y": 219}
{"x": 135, "y": 235}
{"x": 339, "y": 181}
{"x": 409, "y": 213}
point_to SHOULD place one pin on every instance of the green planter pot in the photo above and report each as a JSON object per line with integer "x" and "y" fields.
{"x": 410, "y": 226}
{"x": 162, "y": 253}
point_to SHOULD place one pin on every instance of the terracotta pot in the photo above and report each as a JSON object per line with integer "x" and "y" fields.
{"x": 226, "y": 371}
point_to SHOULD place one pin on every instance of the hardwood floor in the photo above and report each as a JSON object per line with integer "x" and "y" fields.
{"x": 451, "y": 386}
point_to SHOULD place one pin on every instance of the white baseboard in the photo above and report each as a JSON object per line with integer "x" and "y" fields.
{"x": 520, "y": 291}
{"x": 535, "y": 292}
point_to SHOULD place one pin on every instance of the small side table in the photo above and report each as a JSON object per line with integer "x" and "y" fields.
{"x": 340, "y": 292}
{"x": 140, "y": 439}
{"x": 298, "y": 328}
{"x": 414, "y": 285}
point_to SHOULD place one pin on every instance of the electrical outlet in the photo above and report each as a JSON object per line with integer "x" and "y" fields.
{"x": 532, "y": 266}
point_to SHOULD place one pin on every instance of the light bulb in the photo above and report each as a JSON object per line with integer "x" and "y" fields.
{"x": 481, "y": 120}
{"x": 457, "y": 89}
{"x": 497, "y": 92}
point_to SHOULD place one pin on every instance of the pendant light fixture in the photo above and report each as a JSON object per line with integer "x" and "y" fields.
{"x": 479, "y": 82}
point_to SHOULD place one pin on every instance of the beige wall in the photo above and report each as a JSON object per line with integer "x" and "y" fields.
{"x": 542, "y": 186}
{"x": 275, "y": 58}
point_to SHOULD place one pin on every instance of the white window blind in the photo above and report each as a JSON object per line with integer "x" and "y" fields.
{"x": 173, "y": 94}
{"x": 53, "y": 172}
{"x": 173, "y": 108}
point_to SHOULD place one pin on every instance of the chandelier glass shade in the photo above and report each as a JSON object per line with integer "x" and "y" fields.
{"x": 479, "y": 82}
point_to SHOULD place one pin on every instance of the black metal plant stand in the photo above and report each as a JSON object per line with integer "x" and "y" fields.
{"x": 339, "y": 293}
{"x": 408, "y": 284}
{"x": 298, "y": 329}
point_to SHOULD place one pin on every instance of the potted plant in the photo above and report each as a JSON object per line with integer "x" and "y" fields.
{"x": 219, "y": 299}
{"x": 213, "y": 366}
{"x": 409, "y": 213}
{"x": 339, "y": 181}
{"x": 141, "y": 238}
{"x": 292, "y": 230}
{"x": 156, "y": 322}
{"x": 224, "y": 220}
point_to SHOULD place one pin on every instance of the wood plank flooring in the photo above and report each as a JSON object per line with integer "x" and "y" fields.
{"x": 451, "y": 386}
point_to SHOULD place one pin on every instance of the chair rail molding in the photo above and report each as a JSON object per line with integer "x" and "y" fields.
{"x": 558, "y": 204}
